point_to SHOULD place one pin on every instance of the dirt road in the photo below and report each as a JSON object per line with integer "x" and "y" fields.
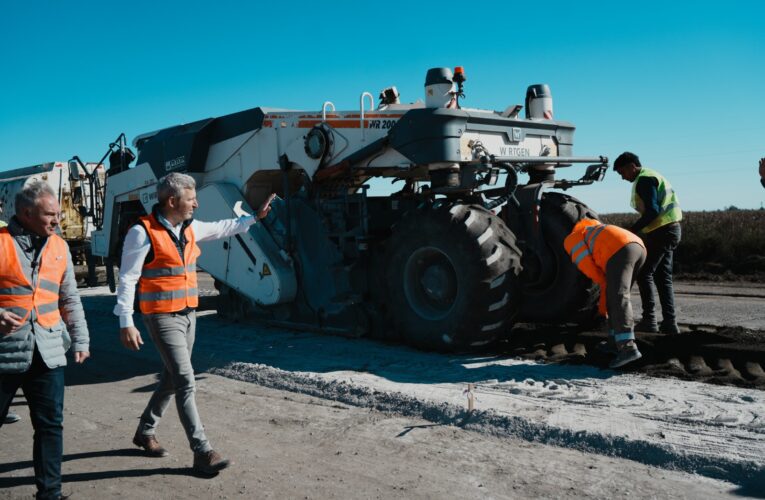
{"x": 291, "y": 444}
{"x": 294, "y": 446}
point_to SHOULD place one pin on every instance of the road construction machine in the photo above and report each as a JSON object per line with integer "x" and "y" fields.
{"x": 79, "y": 188}
{"x": 467, "y": 242}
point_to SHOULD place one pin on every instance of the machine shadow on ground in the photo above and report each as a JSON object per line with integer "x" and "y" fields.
{"x": 296, "y": 351}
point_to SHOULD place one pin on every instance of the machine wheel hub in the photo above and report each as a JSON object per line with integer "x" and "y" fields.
{"x": 430, "y": 283}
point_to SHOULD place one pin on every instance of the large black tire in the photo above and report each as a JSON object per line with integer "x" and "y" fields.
{"x": 451, "y": 277}
{"x": 554, "y": 290}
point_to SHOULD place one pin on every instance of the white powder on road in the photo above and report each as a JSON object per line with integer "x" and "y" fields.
{"x": 717, "y": 431}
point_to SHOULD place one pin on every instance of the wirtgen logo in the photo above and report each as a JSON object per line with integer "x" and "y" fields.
{"x": 175, "y": 163}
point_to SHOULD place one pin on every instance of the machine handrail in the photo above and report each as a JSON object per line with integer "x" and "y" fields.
{"x": 324, "y": 110}
{"x": 371, "y": 108}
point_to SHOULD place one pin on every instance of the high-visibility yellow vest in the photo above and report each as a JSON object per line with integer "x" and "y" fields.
{"x": 669, "y": 206}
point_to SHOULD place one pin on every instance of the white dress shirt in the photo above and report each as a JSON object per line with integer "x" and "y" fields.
{"x": 137, "y": 246}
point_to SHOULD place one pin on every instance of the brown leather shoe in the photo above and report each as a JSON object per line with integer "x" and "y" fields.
{"x": 150, "y": 445}
{"x": 209, "y": 462}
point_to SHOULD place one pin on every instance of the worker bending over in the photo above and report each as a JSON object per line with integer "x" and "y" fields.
{"x": 611, "y": 257}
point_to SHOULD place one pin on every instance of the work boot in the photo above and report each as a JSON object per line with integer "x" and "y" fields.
{"x": 647, "y": 325}
{"x": 11, "y": 418}
{"x": 607, "y": 346}
{"x": 669, "y": 328}
{"x": 209, "y": 462}
{"x": 627, "y": 353}
{"x": 149, "y": 444}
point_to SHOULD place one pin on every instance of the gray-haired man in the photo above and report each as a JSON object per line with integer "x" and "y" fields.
{"x": 38, "y": 303}
{"x": 159, "y": 255}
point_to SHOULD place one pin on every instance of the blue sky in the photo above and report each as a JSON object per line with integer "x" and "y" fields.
{"x": 681, "y": 86}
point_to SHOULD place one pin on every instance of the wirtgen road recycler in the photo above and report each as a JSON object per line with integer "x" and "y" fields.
{"x": 452, "y": 259}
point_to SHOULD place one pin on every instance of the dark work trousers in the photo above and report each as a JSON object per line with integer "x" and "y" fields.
{"x": 660, "y": 244}
{"x": 44, "y": 391}
{"x": 621, "y": 272}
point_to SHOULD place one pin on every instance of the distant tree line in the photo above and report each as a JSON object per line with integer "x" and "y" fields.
{"x": 716, "y": 244}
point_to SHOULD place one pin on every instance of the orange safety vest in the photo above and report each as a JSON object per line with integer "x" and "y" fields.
{"x": 16, "y": 292}
{"x": 591, "y": 244}
{"x": 168, "y": 283}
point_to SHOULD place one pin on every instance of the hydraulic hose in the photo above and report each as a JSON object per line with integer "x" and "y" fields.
{"x": 511, "y": 184}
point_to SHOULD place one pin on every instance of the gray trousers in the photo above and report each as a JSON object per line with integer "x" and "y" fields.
{"x": 173, "y": 336}
{"x": 621, "y": 272}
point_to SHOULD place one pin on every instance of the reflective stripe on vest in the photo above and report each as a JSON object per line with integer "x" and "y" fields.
{"x": 591, "y": 235}
{"x": 168, "y": 271}
{"x": 16, "y": 292}
{"x": 168, "y": 283}
{"x": 601, "y": 241}
{"x": 169, "y": 295}
{"x": 581, "y": 256}
{"x": 578, "y": 252}
{"x": 668, "y": 202}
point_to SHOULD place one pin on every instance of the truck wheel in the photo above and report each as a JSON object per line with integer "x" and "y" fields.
{"x": 451, "y": 277}
{"x": 554, "y": 290}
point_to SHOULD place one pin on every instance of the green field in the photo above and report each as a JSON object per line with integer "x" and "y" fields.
{"x": 719, "y": 244}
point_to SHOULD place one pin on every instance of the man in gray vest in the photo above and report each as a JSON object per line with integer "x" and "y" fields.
{"x": 41, "y": 316}
{"x": 659, "y": 227}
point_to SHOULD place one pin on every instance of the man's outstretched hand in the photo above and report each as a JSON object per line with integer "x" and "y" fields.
{"x": 262, "y": 211}
{"x": 266, "y": 207}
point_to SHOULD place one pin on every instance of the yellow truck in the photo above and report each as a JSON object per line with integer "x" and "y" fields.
{"x": 80, "y": 190}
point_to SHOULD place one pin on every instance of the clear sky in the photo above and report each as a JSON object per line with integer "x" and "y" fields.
{"x": 679, "y": 84}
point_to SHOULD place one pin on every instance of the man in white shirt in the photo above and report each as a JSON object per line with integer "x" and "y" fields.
{"x": 159, "y": 255}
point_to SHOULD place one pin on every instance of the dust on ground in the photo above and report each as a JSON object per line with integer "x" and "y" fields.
{"x": 288, "y": 445}
{"x": 312, "y": 416}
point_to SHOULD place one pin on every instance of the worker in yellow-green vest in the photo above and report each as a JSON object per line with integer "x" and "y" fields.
{"x": 659, "y": 227}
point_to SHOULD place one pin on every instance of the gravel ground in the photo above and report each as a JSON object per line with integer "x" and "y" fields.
{"x": 288, "y": 445}
{"x": 306, "y": 416}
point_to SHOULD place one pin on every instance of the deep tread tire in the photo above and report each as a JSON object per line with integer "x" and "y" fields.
{"x": 567, "y": 296}
{"x": 451, "y": 277}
